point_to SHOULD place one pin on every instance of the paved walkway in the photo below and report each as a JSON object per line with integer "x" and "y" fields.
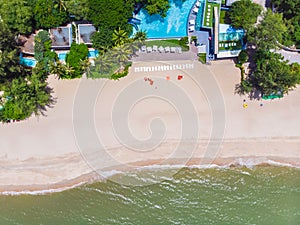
{"x": 157, "y": 56}
{"x": 202, "y": 36}
{"x": 291, "y": 56}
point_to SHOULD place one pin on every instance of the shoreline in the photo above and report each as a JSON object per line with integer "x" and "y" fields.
{"x": 42, "y": 153}
{"x": 224, "y": 160}
{"x": 90, "y": 178}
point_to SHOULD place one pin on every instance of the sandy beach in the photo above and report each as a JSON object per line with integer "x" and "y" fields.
{"x": 101, "y": 125}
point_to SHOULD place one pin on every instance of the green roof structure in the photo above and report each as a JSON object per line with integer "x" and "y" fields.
{"x": 208, "y": 14}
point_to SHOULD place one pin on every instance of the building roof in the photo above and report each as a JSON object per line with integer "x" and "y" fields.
{"x": 229, "y": 2}
{"x": 228, "y": 33}
{"x": 27, "y": 43}
{"x": 61, "y": 36}
{"x": 85, "y": 32}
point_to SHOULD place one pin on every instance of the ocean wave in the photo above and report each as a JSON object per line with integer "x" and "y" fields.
{"x": 250, "y": 163}
{"x": 41, "y": 192}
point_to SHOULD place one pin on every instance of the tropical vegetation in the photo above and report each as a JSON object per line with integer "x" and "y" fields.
{"x": 269, "y": 74}
{"x": 23, "y": 91}
{"x": 291, "y": 14}
{"x": 243, "y": 14}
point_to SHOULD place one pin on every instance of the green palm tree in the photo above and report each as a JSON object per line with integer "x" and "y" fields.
{"x": 85, "y": 65}
{"x": 103, "y": 64}
{"x": 133, "y": 46}
{"x": 58, "y": 69}
{"x": 69, "y": 71}
{"x": 61, "y": 5}
{"x": 119, "y": 37}
{"x": 140, "y": 36}
{"x": 121, "y": 54}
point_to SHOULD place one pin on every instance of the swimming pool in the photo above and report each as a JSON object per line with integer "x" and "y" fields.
{"x": 27, "y": 61}
{"x": 62, "y": 56}
{"x": 92, "y": 54}
{"x": 173, "y": 25}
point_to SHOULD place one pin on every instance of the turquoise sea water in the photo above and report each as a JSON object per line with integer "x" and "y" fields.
{"x": 263, "y": 195}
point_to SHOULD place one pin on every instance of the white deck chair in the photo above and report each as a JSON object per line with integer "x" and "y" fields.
{"x": 161, "y": 49}
{"x": 179, "y": 50}
{"x": 143, "y": 48}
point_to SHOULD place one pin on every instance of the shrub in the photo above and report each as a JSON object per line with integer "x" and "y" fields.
{"x": 77, "y": 53}
{"x": 243, "y": 57}
{"x": 116, "y": 76}
{"x": 184, "y": 41}
{"x": 202, "y": 57}
{"x": 194, "y": 39}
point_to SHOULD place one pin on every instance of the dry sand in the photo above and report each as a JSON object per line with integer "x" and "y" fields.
{"x": 60, "y": 149}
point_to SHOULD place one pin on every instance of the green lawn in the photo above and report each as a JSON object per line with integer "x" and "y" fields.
{"x": 165, "y": 43}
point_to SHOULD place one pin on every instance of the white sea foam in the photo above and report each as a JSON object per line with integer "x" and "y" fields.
{"x": 41, "y": 192}
{"x": 110, "y": 173}
{"x": 243, "y": 162}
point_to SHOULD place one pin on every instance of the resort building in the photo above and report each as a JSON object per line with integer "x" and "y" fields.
{"x": 204, "y": 19}
{"x": 61, "y": 37}
{"x": 85, "y": 32}
{"x": 224, "y": 41}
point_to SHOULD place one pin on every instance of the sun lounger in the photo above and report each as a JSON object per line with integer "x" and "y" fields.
{"x": 155, "y": 49}
{"x": 143, "y": 48}
{"x": 197, "y": 4}
{"x": 195, "y": 10}
{"x": 192, "y": 22}
{"x": 191, "y": 28}
{"x": 161, "y": 49}
{"x": 149, "y": 49}
{"x": 173, "y": 49}
{"x": 179, "y": 50}
{"x": 167, "y": 49}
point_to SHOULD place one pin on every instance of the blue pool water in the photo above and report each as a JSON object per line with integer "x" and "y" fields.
{"x": 27, "y": 61}
{"x": 93, "y": 54}
{"x": 173, "y": 25}
{"x": 62, "y": 56}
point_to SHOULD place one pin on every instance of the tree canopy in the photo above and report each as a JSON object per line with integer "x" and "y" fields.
{"x": 159, "y": 7}
{"x": 244, "y": 13}
{"x": 49, "y": 14}
{"x": 269, "y": 31}
{"x": 10, "y": 67}
{"x": 24, "y": 97}
{"x": 75, "y": 60}
{"x": 273, "y": 74}
{"x": 291, "y": 12}
{"x": 17, "y": 15}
